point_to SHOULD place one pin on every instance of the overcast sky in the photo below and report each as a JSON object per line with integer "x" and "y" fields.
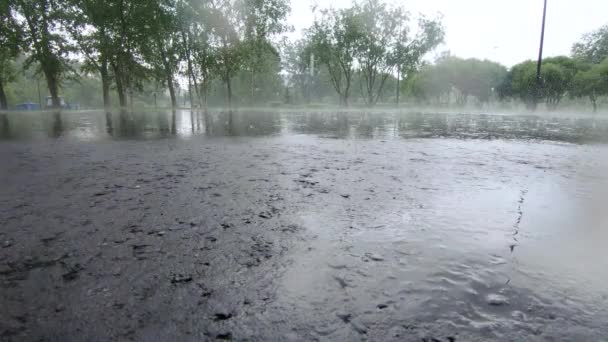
{"x": 507, "y": 31}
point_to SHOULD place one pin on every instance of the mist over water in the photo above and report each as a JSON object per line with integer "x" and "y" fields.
{"x": 344, "y": 124}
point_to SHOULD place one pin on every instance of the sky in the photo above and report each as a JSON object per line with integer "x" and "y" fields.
{"x": 506, "y": 31}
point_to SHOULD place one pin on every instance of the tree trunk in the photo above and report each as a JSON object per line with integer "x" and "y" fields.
{"x": 196, "y": 90}
{"x": 120, "y": 87}
{"x": 205, "y": 90}
{"x": 171, "y": 87}
{"x": 173, "y": 125}
{"x": 252, "y": 86}
{"x": 594, "y": 102}
{"x": 131, "y": 99}
{"x": 3, "y": 101}
{"x": 191, "y": 78}
{"x": 190, "y": 93}
{"x": 53, "y": 86}
{"x": 347, "y": 90}
{"x": 228, "y": 91}
{"x": 398, "y": 85}
{"x": 105, "y": 86}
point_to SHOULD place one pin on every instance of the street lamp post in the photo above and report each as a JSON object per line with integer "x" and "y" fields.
{"x": 540, "y": 52}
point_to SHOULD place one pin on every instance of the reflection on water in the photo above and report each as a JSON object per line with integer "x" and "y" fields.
{"x": 381, "y": 239}
{"x": 4, "y": 126}
{"x": 184, "y": 123}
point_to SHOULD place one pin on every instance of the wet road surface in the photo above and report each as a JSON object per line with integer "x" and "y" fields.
{"x": 303, "y": 226}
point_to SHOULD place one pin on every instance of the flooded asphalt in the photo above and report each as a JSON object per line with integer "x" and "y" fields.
{"x": 270, "y": 226}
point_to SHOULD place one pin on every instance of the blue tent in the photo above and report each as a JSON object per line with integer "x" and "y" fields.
{"x": 28, "y": 106}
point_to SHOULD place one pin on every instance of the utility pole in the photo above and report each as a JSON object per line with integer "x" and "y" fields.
{"x": 540, "y": 52}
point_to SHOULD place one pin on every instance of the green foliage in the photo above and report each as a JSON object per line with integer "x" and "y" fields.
{"x": 429, "y": 84}
{"x": 334, "y": 41}
{"x": 556, "y": 81}
{"x": 460, "y": 77}
{"x": 227, "y": 51}
{"x": 592, "y": 82}
{"x": 521, "y": 83}
{"x": 374, "y": 40}
{"x": 9, "y": 41}
{"x": 41, "y": 24}
{"x": 381, "y": 29}
{"x": 593, "y": 48}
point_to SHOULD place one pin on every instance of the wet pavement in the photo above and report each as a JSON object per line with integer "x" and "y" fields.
{"x": 303, "y": 226}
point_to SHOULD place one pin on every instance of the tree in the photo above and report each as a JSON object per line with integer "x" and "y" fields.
{"x": 9, "y": 48}
{"x": 379, "y": 34}
{"x": 430, "y": 83}
{"x": 196, "y": 22}
{"x": 164, "y": 44}
{"x": 557, "y": 76}
{"x": 593, "y": 48}
{"x": 92, "y": 30}
{"x": 241, "y": 32}
{"x": 592, "y": 82}
{"x": 130, "y": 31}
{"x": 228, "y": 37}
{"x": 462, "y": 77}
{"x": 263, "y": 19}
{"x": 408, "y": 55}
{"x": 334, "y": 38}
{"x": 41, "y": 23}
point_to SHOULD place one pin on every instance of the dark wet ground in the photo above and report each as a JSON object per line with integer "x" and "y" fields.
{"x": 292, "y": 226}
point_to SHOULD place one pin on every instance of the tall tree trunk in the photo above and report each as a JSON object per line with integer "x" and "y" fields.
{"x": 130, "y": 92}
{"x": 57, "y": 124}
{"x": 173, "y": 125}
{"x": 205, "y": 91}
{"x": 171, "y": 87}
{"x": 347, "y": 91}
{"x": 370, "y": 96}
{"x": 190, "y": 93}
{"x": 120, "y": 87}
{"x": 105, "y": 86}
{"x": 252, "y": 85}
{"x": 196, "y": 90}
{"x": 228, "y": 91}
{"x": 53, "y": 86}
{"x": 398, "y": 85}
{"x": 3, "y": 101}
{"x": 191, "y": 79}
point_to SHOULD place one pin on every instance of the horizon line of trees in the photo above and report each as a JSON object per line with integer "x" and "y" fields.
{"x": 368, "y": 53}
{"x": 129, "y": 44}
{"x": 583, "y": 75}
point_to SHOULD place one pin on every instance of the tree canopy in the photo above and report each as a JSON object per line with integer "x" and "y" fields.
{"x": 212, "y": 51}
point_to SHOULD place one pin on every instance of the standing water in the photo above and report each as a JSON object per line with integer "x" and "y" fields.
{"x": 303, "y": 226}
